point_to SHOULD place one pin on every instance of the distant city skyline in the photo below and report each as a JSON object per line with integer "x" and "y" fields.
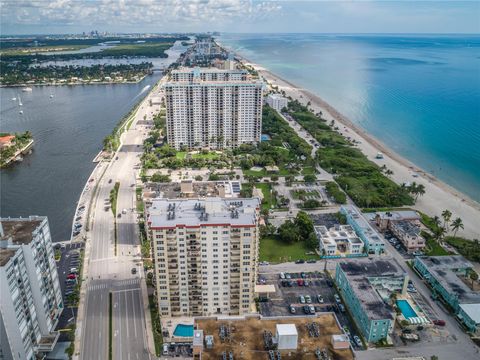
{"x": 22, "y": 17}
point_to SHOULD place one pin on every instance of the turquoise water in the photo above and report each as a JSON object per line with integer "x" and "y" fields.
{"x": 420, "y": 95}
{"x": 406, "y": 309}
{"x": 183, "y": 330}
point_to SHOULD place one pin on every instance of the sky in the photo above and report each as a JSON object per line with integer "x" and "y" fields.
{"x": 21, "y": 17}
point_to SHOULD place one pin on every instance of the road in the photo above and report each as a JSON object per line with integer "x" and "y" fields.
{"x": 109, "y": 272}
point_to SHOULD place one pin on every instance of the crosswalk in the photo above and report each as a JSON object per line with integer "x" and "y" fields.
{"x": 97, "y": 287}
{"x": 115, "y": 285}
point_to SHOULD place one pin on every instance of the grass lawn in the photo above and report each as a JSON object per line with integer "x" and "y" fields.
{"x": 181, "y": 155}
{"x": 275, "y": 251}
{"x": 208, "y": 156}
{"x": 268, "y": 198}
{"x": 308, "y": 170}
{"x": 434, "y": 249}
{"x": 253, "y": 173}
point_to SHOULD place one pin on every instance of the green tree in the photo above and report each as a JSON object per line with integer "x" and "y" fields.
{"x": 457, "y": 224}
{"x": 304, "y": 224}
{"x": 312, "y": 241}
{"x": 447, "y": 215}
{"x": 288, "y": 232}
{"x": 310, "y": 178}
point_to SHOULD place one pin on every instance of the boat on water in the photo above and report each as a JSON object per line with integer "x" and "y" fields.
{"x": 21, "y": 111}
{"x": 20, "y": 101}
{"x": 14, "y": 99}
{"x": 27, "y": 89}
{"x": 51, "y": 96}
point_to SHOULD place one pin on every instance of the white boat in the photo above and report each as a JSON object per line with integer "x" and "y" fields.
{"x": 51, "y": 96}
{"x": 27, "y": 89}
{"x": 19, "y": 101}
{"x": 14, "y": 99}
{"x": 21, "y": 111}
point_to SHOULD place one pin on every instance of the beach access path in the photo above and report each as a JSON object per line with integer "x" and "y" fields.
{"x": 438, "y": 195}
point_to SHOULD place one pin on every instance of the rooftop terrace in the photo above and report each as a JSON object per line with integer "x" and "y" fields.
{"x": 362, "y": 223}
{"x": 5, "y": 255}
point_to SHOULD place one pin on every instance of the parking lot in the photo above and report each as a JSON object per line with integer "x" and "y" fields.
{"x": 70, "y": 260}
{"x": 294, "y": 290}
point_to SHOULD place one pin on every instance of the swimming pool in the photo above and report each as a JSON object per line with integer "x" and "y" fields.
{"x": 406, "y": 309}
{"x": 183, "y": 330}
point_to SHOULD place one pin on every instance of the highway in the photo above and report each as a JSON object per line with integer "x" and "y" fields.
{"x": 108, "y": 272}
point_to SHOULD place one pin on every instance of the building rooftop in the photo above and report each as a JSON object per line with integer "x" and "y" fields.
{"x": 286, "y": 329}
{"x": 473, "y": 311}
{"x": 5, "y": 255}
{"x": 166, "y": 213}
{"x": 395, "y": 215}
{"x": 407, "y": 227}
{"x": 20, "y": 230}
{"x": 359, "y": 270}
{"x": 206, "y": 70}
{"x": 443, "y": 269}
{"x": 363, "y": 224}
{"x": 336, "y": 234}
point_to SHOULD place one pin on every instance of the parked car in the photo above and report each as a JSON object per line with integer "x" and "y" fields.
{"x": 439, "y": 322}
{"x": 300, "y": 282}
{"x": 329, "y": 283}
{"x": 357, "y": 340}
{"x": 300, "y": 261}
{"x": 308, "y": 299}
{"x": 288, "y": 276}
{"x": 311, "y": 261}
{"x": 282, "y": 275}
{"x": 301, "y": 298}
{"x": 292, "y": 309}
{"x": 70, "y": 281}
{"x": 306, "y": 309}
{"x": 341, "y": 307}
{"x": 320, "y": 298}
{"x": 337, "y": 298}
{"x": 71, "y": 276}
{"x": 303, "y": 275}
{"x": 311, "y": 308}
{"x": 73, "y": 270}
{"x": 289, "y": 283}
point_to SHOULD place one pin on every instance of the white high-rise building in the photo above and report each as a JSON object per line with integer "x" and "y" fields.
{"x": 31, "y": 299}
{"x": 206, "y": 255}
{"x": 213, "y": 108}
{"x": 277, "y": 102}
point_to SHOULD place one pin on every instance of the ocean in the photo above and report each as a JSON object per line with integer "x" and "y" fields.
{"x": 418, "y": 94}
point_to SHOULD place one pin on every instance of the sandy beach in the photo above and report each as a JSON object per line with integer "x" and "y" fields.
{"x": 438, "y": 195}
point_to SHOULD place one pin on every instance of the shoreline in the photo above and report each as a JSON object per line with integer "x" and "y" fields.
{"x": 77, "y": 83}
{"x": 438, "y": 195}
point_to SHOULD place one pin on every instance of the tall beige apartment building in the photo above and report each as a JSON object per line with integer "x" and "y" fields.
{"x": 213, "y": 108}
{"x": 206, "y": 255}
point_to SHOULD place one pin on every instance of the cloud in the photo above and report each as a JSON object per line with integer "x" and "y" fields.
{"x": 133, "y": 12}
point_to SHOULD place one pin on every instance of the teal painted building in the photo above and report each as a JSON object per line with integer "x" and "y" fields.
{"x": 365, "y": 285}
{"x": 374, "y": 244}
{"x": 443, "y": 274}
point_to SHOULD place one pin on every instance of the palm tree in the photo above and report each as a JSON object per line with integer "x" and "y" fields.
{"x": 420, "y": 190}
{"x": 457, "y": 224}
{"x": 473, "y": 276}
{"x": 388, "y": 172}
{"x": 436, "y": 221}
{"x": 447, "y": 215}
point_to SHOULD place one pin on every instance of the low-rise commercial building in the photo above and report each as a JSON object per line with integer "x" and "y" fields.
{"x": 276, "y": 101}
{"x": 206, "y": 255}
{"x": 338, "y": 241}
{"x": 31, "y": 300}
{"x": 409, "y": 234}
{"x": 371, "y": 238}
{"x": 404, "y": 224}
{"x": 366, "y": 285}
{"x": 446, "y": 276}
